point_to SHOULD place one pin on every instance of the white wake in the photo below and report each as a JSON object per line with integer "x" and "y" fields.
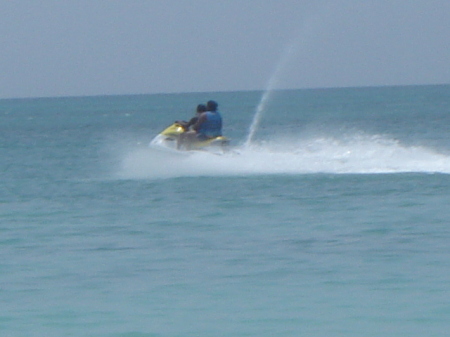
{"x": 358, "y": 155}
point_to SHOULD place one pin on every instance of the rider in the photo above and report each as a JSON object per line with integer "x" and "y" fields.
{"x": 186, "y": 125}
{"x": 208, "y": 125}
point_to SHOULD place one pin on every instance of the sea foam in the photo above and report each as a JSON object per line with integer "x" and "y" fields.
{"x": 360, "y": 154}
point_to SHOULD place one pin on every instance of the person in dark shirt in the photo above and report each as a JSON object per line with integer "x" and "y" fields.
{"x": 201, "y": 108}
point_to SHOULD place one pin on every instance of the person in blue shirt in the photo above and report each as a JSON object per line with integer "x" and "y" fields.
{"x": 208, "y": 125}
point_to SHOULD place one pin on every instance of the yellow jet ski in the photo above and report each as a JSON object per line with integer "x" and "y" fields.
{"x": 168, "y": 140}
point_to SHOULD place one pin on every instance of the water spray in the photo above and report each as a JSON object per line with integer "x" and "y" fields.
{"x": 309, "y": 25}
{"x": 271, "y": 85}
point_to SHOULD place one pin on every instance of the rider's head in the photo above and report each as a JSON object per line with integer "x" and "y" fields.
{"x": 201, "y": 108}
{"x": 211, "y": 106}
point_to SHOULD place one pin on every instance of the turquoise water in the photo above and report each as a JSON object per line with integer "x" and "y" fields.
{"x": 333, "y": 222}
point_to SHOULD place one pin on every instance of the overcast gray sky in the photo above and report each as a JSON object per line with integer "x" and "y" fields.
{"x": 97, "y": 47}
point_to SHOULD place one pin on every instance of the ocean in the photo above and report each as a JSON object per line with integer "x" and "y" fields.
{"x": 332, "y": 219}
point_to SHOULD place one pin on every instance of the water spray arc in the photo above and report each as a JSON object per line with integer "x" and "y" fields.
{"x": 293, "y": 48}
{"x": 265, "y": 98}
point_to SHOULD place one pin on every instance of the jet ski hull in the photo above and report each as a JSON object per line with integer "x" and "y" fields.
{"x": 168, "y": 140}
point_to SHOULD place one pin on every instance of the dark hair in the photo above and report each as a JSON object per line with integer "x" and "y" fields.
{"x": 212, "y": 105}
{"x": 201, "y": 108}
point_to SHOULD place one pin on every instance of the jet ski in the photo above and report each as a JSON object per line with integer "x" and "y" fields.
{"x": 167, "y": 140}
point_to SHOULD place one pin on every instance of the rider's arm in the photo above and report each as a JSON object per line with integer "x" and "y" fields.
{"x": 192, "y": 121}
{"x": 200, "y": 121}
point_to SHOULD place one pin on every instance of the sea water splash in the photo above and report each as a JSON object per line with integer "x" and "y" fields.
{"x": 360, "y": 154}
{"x": 271, "y": 85}
{"x": 296, "y": 47}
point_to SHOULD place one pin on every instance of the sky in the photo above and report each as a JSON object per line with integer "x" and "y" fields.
{"x": 53, "y": 48}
